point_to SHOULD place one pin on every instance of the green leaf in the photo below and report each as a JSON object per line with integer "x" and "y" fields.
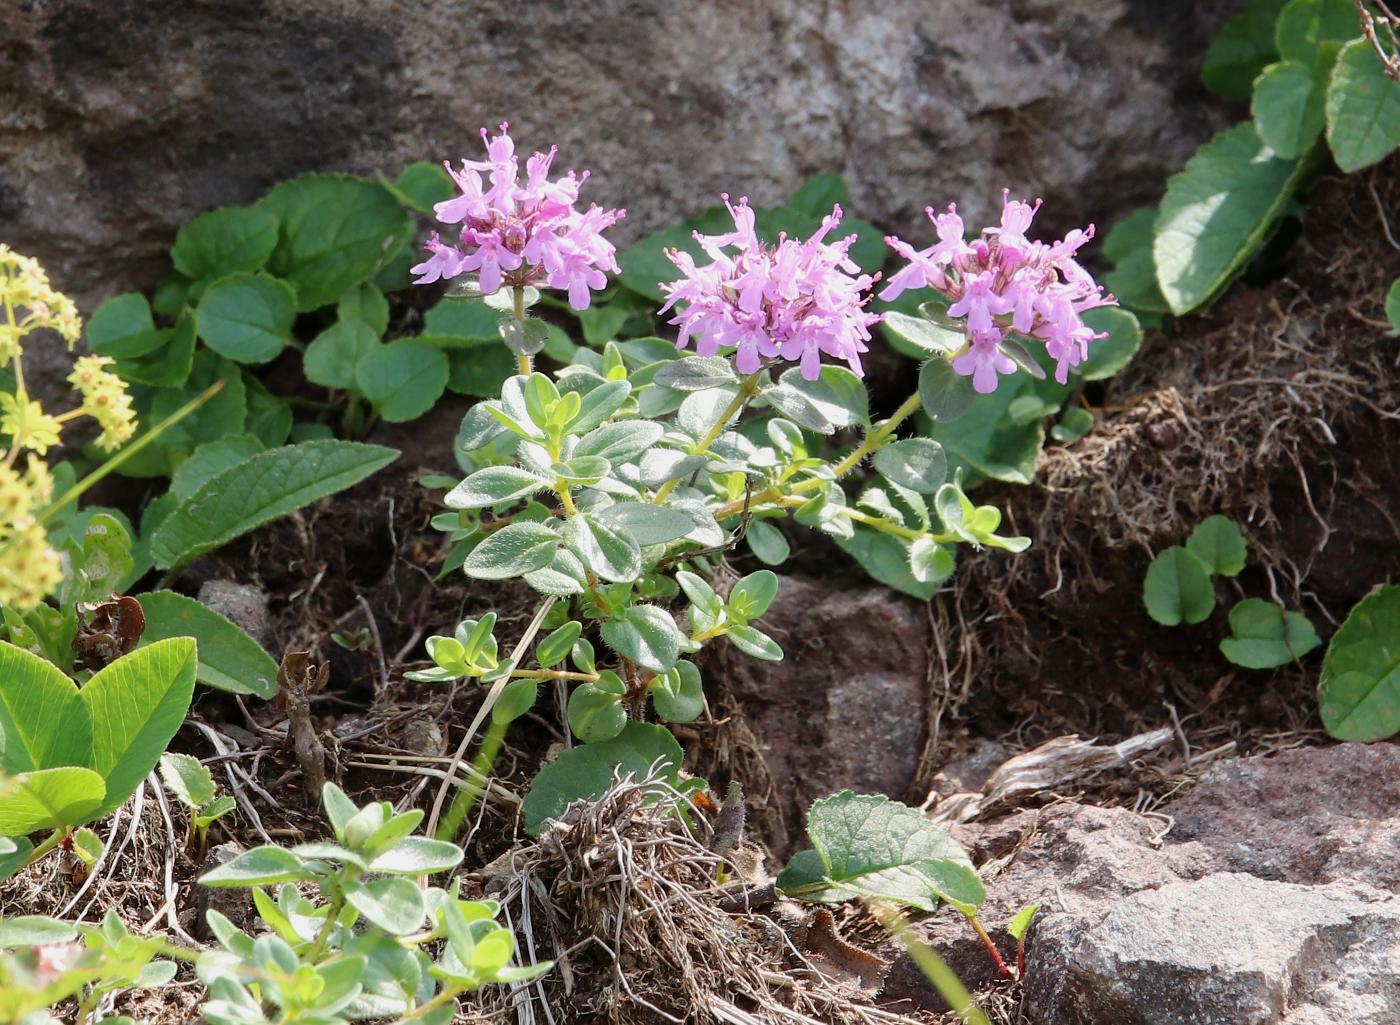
{"x": 922, "y": 337}
{"x": 607, "y": 550}
{"x": 395, "y": 905}
{"x": 886, "y": 559}
{"x": 645, "y": 523}
{"x": 265, "y": 487}
{"x": 418, "y": 855}
{"x": 229, "y": 659}
{"x": 246, "y": 317}
{"x": 493, "y": 485}
{"x": 838, "y": 395}
{"x": 1363, "y": 108}
{"x": 1219, "y": 544}
{"x": 269, "y": 416}
{"x": 752, "y": 596}
{"x": 514, "y": 550}
{"x": 1359, "y": 689}
{"x": 1109, "y": 355}
{"x": 88, "y": 846}
{"x": 14, "y": 853}
{"x": 1177, "y": 588}
{"x": 104, "y": 564}
{"x": 1311, "y": 31}
{"x": 364, "y": 304}
{"x": 479, "y": 370}
{"x": 646, "y": 636}
{"x": 556, "y": 647}
{"x": 34, "y": 931}
{"x": 1287, "y": 108}
{"x": 587, "y": 771}
{"x": 870, "y": 846}
{"x": 211, "y": 459}
{"x": 930, "y": 562}
{"x": 460, "y": 321}
{"x": 423, "y": 184}
{"x": 696, "y": 373}
{"x": 1074, "y": 424}
{"x": 523, "y": 337}
{"x": 946, "y": 394}
{"x": 819, "y": 194}
{"x": 261, "y": 866}
{"x": 1216, "y": 214}
{"x": 1240, "y": 52}
{"x": 678, "y": 695}
{"x": 123, "y": 329}
{"x": 1263, "y": 636}
{"x": 136, "y": 704}
{"x": 229, "y": 240}
{"x": 915, "y": 463}
{"x": 621, "y": 441}
{"x": 334, "y": 356}
{"x": 43, "y": 720}
{"x": 594, "y": 714}
{"x": 1392, "y": 306}
{"x": 1134, "y": 278}
{"x": 754, "y": 643}
{"x": 332, "y": 234}
{"x": 1021, "y": 922}
{"x": 50, "y": 799}
{"x": 403, "y": 379}
{"x": 187, "y": 779}
{"x": 767, "y": 543}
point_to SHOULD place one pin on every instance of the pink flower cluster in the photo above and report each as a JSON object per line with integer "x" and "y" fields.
{"x": 521, "y": 234}
{"x": 1004, "y": 283}
{"x": 794, "y": 300}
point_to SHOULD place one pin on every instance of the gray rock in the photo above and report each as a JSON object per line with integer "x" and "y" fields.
{"x": 1231, "y": 949}
{"x": 121, "y": 119}
{"x": 243, "y": 604}
{"x": 845, "y": 707}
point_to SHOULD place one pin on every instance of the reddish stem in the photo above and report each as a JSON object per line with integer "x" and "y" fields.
{"x": 991, "y": 947}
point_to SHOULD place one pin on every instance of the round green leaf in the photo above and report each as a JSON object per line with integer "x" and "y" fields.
{"x": 229, "y": 240}
{"x": 914, "y": 463}
{"x": 403, "y": 379}
{"x": 1177, "y": 588}
{"x": 50, "y": 799}
{"x": 187, "y": 779}
{"x": 1363, "y": 108}
{"x": 1287, "y": 107}
{"x": 122, "y": 328}
{"x": 1264, "y": 636}
{"x": 767, "y": 543}
{"x": 333, "y": 356}
{"x": 645, "y": 635}
{"x": 678, "y": 695}
{"x": 1359, "y": 688}
{"x": 364, "y": 303}
{"x": 246, "y": 317}
{"x": 1109, "y": 355}
{"x": 393, "y": 904}
{"x": 945, "y": 393}
{"x": 1219, "y": 544}
{"x": 594, "y": 714}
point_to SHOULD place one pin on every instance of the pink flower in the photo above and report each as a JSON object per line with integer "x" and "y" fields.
{"x": 519, "y": 234}
{"x": 796, "y": 300}
{"x": 1002, "y": 282}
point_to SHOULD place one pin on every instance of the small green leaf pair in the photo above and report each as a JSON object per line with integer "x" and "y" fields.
{"x": 748, "y": 599}
{"x": 470, "y": 652}
{"x": 1177, "y": 588}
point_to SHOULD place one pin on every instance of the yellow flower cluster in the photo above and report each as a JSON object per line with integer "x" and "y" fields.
{"x": 30, "y": 568}
{"x": 105, "y": 400}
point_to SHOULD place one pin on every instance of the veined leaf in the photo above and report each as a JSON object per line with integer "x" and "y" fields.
{"x": 229, "y": 659}
{"x": 43, "y": 721}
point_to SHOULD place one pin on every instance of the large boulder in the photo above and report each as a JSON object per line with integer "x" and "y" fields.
{"x": 120, "y": 119}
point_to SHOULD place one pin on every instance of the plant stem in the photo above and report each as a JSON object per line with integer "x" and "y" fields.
{"x": 991, "y": 947}
{"x": 54, "y": 839}
{"x": 874, "y": 522}
{"x": 447, "y": 994}
{"x": 949, "y": 986}
{"x": 482, "y": 765}
{"x": 523, "y": 364}
{"x": 747, "y": 390}
{"x": 337, "y": 904}
{"x": 73, "y": 493}
{"x": 872, "y": 441}
{"x": 554, "y": 674}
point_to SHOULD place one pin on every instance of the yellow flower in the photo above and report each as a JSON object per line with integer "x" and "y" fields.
{"x": 104, "y": 399}
{"x": 39, "y": 481}
{"x": 26, "y": 420}
{"x": 29, "y": 568}
{"x": 16, "y": 500}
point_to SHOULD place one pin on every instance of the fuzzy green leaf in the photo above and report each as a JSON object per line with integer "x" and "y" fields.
{"x": 229, "y": 659}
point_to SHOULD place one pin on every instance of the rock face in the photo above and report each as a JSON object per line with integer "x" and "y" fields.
{"x": 845, "y": 708}
{"x": 120, "y": 119}
{"x": 1272, "y": 899}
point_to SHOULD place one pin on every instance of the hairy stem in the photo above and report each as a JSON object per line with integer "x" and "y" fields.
{"x": 747, "y": 390}
{"x": 523, "y": 363}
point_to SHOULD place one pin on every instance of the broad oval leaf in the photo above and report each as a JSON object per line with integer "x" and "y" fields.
{"x": 187, "y": 779}
{"x": 915, "y": 463}
{"x": 333, "y": 357}
{"x": 838, "y": 395}
{"x": 1359, "y": 689}
{"x": 1177, "y": 588}
{"x": 229, "y": 659}
{"x": 594, "y": 714}
{"x": 607, "y": 550}
{"x": 1287, "y": 108}
{"x": 332, "y": 234}
{"x": 1217, "y": 212}
{"x": 1218, "y": 543}
{"x": 679, "y": 694}
{"x": 1363, "y": 108}
{"x": 261, "y": 866}
{"x": 224, "y": 241}
{"x": 122, "y": 327}
{"x": 395, "y": 905}
{"x": 402, "y": 379}
{"x": 1109, "y": 355}
{"x": 1263, "y": 636}
{"x": 696, "y": 373}
{"x": 492, "y": 485}
{"x": 246, "y": 317}
{"x": 136, "y": 704}
{"x": 512, "y": 551}
{"x": 265, "y": 487}
{"x": 645, "y": 635}
{"x": 621, "y": 441}
{"x": 945, "y": 394}
{"x": 645, "y": 523}
{"x": 1241, "y": 50}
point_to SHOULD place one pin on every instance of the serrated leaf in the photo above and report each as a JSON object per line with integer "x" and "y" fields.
{"x": 267, "y": 486}
{"x": 211, "y": 459}
{"x": 587, "y": 771}
{"x": 1217, "y": 212}
{"x": 224, "y": 241}
{"x": 403, "y": 378}
{"x": 1177, "y": 588}
{"x": 229, "y": 659}
{"x": 364, "y": 304}
{"x": 1287, "y": 108}
{"x": 1359, "y": 689}
{"x": 332, "y": 234}
{"x": 122, "y": 328}
{"x": 333, "y": 357}
{"x": 1363, "y": 108}
{"x": 1312, "y": 31}
{"x": 136, "y": 704}
{"x": 187, "y": 779}
{"x": 1241, "y": 50}
{"x": 246, "y": 317}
